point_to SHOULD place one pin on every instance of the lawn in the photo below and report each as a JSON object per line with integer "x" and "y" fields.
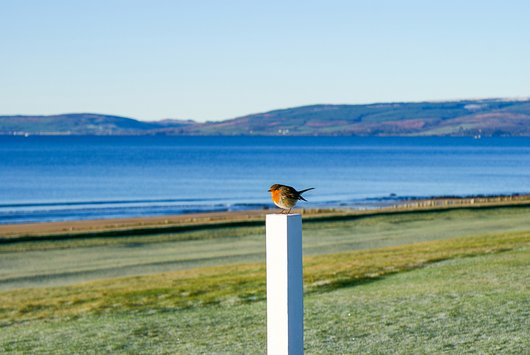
{"x": 451, "y": 280}
{"x": 467, "y": 304}
{"x": 63, "y": 262}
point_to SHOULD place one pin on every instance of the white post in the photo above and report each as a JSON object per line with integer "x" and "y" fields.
{"x": 285, "y": 292}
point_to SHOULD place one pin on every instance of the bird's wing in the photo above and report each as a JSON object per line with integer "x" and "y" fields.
{"x": 291, "y": 193}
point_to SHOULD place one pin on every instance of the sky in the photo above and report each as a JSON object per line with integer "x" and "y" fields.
{"x": 212, "y": 60}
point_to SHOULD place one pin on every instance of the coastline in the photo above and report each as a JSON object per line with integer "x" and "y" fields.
{"x": 161, "y": 224}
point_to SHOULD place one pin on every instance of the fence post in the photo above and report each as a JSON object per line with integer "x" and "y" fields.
{"x": 285, "y": 293}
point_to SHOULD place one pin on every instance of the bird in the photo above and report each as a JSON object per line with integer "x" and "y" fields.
{"x": 286, "y": 197}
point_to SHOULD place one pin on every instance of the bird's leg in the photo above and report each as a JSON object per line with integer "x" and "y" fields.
{"x": 289, "y": 211}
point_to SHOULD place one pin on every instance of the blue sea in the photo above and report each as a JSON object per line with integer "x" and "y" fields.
{"x": 70, "y": 178}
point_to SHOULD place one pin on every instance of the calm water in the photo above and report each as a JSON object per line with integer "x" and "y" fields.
{"x": 64, "y": 178}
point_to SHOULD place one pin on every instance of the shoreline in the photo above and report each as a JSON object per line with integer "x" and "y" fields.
{"x": 161, "y": 224}
{"x": 93, "y": 210}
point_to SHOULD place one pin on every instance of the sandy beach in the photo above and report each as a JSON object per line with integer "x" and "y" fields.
{"x": 159, "y": 223}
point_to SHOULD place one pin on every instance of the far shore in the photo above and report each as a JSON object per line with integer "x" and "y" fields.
{"x": 254, "y": 217}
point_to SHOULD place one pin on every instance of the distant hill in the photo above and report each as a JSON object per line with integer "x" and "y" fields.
{"x": 83, "y": 124}
{"x": 487, "y": 117}
{"x": 454, "y": 118}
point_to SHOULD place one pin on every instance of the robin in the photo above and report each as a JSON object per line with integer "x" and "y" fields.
{"x": 286, "y": 197}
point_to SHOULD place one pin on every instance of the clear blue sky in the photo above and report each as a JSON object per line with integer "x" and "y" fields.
{"x": 210, "y": 60}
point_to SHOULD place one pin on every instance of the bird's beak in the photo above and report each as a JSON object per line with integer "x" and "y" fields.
{"x": 269, "y": 190}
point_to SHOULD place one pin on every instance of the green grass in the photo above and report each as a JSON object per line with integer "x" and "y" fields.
{"x": 238, "y": 283}
{"x": 63, "y": 262}
{"x": 423, "y": 282}
{"x": 475, "y": 304}
{"x": 472, "y": 304}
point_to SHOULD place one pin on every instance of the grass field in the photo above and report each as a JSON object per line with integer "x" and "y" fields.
{"x": 452, "y": 280}
{"x": 62, "y": 262}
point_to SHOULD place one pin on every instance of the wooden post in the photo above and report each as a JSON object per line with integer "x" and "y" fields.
{"x": 285, "y": 292}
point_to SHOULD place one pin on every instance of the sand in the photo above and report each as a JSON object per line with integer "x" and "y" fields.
{"x": 94, "y": 226}
{"x": 71, "y": 227}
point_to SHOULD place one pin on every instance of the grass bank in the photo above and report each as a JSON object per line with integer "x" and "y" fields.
{"x": 420, "y": 281}
{"x": 62, "y": 262}
{"x": 466, "y": 304}
{"x": 238, "y": 283}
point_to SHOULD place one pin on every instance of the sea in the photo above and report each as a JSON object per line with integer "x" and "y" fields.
{"x": 61, "y": 178}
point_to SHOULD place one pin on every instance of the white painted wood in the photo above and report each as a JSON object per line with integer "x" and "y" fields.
{"x": 285, "y": 292}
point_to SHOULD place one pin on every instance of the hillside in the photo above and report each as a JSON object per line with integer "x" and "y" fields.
{"x": 488, "y": 117}
{"x": 82, "y": 124}
{"x": 457, "y": 118}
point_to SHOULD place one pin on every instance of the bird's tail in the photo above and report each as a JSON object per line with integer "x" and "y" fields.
{"x": 301, "y": 192}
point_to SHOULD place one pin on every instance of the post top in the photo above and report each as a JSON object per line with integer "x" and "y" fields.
{"x": 281, "y": 215}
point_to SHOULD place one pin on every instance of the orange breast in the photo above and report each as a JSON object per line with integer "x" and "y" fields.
{"x": 275, "y": 196}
